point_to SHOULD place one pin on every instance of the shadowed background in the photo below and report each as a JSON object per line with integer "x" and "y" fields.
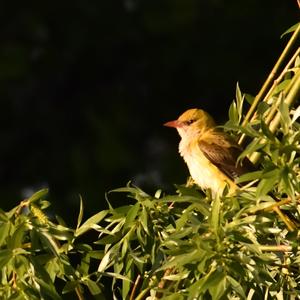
{"x": 86, "y": 86}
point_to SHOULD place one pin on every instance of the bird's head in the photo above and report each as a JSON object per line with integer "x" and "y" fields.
{"x": 191, "y": 122}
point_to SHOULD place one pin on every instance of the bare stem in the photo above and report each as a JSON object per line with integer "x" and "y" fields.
{"x": 278, "y": 248}
{"x": 79, "y": 293}
{"x": 269, "y": 80}
{"x": 137, "y": 281}
{"x": 289, "y": 99}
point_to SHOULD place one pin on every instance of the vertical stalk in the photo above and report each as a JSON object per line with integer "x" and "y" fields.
{"x": 270, "y": 78}
{"x": 292, "y": 96}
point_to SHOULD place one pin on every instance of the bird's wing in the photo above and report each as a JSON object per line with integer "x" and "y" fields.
{"x": 223, "y": 152}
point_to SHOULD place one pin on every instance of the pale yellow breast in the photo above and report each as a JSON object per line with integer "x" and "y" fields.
{"x": 203, "y": 172}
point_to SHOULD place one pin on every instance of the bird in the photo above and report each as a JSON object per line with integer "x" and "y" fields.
{"x": 210, "y": 153}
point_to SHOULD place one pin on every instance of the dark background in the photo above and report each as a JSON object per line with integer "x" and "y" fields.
{"x": 85, "y": 87}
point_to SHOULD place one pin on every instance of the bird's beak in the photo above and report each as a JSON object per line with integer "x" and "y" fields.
{"x": 175, "y": 124}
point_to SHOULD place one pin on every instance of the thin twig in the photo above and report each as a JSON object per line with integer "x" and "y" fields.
{"x": 289, "y": 223}
{"x": 137, "y": 281}
{"x": 273, "y": 109}
{"x": 79, "y": 293}
{"x": 163, "y": 281}
{"x": 279, "y": 248}
{"x": 279, "y": 203}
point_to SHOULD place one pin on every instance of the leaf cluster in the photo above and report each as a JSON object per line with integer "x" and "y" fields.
{"x": 188, "y": 245}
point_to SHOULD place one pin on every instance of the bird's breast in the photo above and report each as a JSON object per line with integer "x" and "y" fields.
{"x": 204, "y": 173}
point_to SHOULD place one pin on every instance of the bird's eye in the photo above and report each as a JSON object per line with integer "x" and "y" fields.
{"x": 189, "y": 122}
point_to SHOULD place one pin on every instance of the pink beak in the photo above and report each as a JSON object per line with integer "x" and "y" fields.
{"x": 174, "y": 124}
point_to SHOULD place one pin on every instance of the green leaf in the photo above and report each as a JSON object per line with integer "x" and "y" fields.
{"x": 117, "y": 276}
{"x": 291, "y": 29}
{"x": 236, "y": 286}
{"x": 233, "y": 114}
{"x": 287, "y": 181}
{"x": 284, "y": 117}
{"x": 249, "y": 98}
{"x": 281, "y": 86}
{"x": 296, "y": 114}
{"x": 70, "y": 286}
{"x": 215, "y": 214}
{"x": 144, "y": 220}
{"x": 80, "y": 215}
{"x": 5, "y": 256}
{"x": 20, "y": 265}
{"x": 48, "y": 241}
{"x": 181, "y": 260}
{"x": 109, "y": 239}
{"x": 217, "y": 285}
{"x": 262, "y": 107}
{"x": 254, "y": 146}
{"x": 178, "y": 199}
{"x": 266, "y": 185}
{"x": 177, "y": 276}
{"x": 17, "y": 238}
{"x": 3, "y": 216}
{"x": 97, "y": 254}
{"x": 201, "y": 285}
{"x": 4, "y": 232}
{"x": 266, "y": 131}
{"x": 132, "y": 213}
{"x": 93, "y": 287}
{"x": 38, "y": 195}
{"x": 48, "y": 289}
{"x": 52, "y": 268}
{"x": 134, "y": 191}
{"x": 60, "y": 232}
{"x": 239, "y": 102}
{"x": 249, "y": 176}
{"x": 90, "y": 222}
{"x": 249, "y": 130}
{"x": 108, "y": 257}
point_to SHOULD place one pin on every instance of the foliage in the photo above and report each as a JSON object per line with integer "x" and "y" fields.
{"x": 188, "y": 245}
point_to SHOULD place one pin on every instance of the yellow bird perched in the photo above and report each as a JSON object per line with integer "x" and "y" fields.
{"x": 210, "y": 154}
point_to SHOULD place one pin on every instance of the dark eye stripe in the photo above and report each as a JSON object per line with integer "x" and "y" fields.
{"x": 189, "y": 122}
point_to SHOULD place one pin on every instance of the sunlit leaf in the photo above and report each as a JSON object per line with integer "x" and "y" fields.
{"x": 284, "y": 116}
{"x": 49, "y": 241}
{"x": 281, "y": 86}
{"x": 215, "y": 214}
{"x": 107, "y": 259}
{"x": 38, "y": 195}
{"x": 4, "y": 232}
{"x": 80, "y": 214}
{"x": 88, "y": 224}
{"x": 132, "y": 214}
{"x": 291, "y": 29}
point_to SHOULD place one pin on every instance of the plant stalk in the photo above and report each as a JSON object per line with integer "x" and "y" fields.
{"x": 289, "y": 99}
{"x": 270, "y": 78}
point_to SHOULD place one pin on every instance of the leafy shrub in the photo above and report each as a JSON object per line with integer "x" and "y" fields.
{"x": 189, "y": 245}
